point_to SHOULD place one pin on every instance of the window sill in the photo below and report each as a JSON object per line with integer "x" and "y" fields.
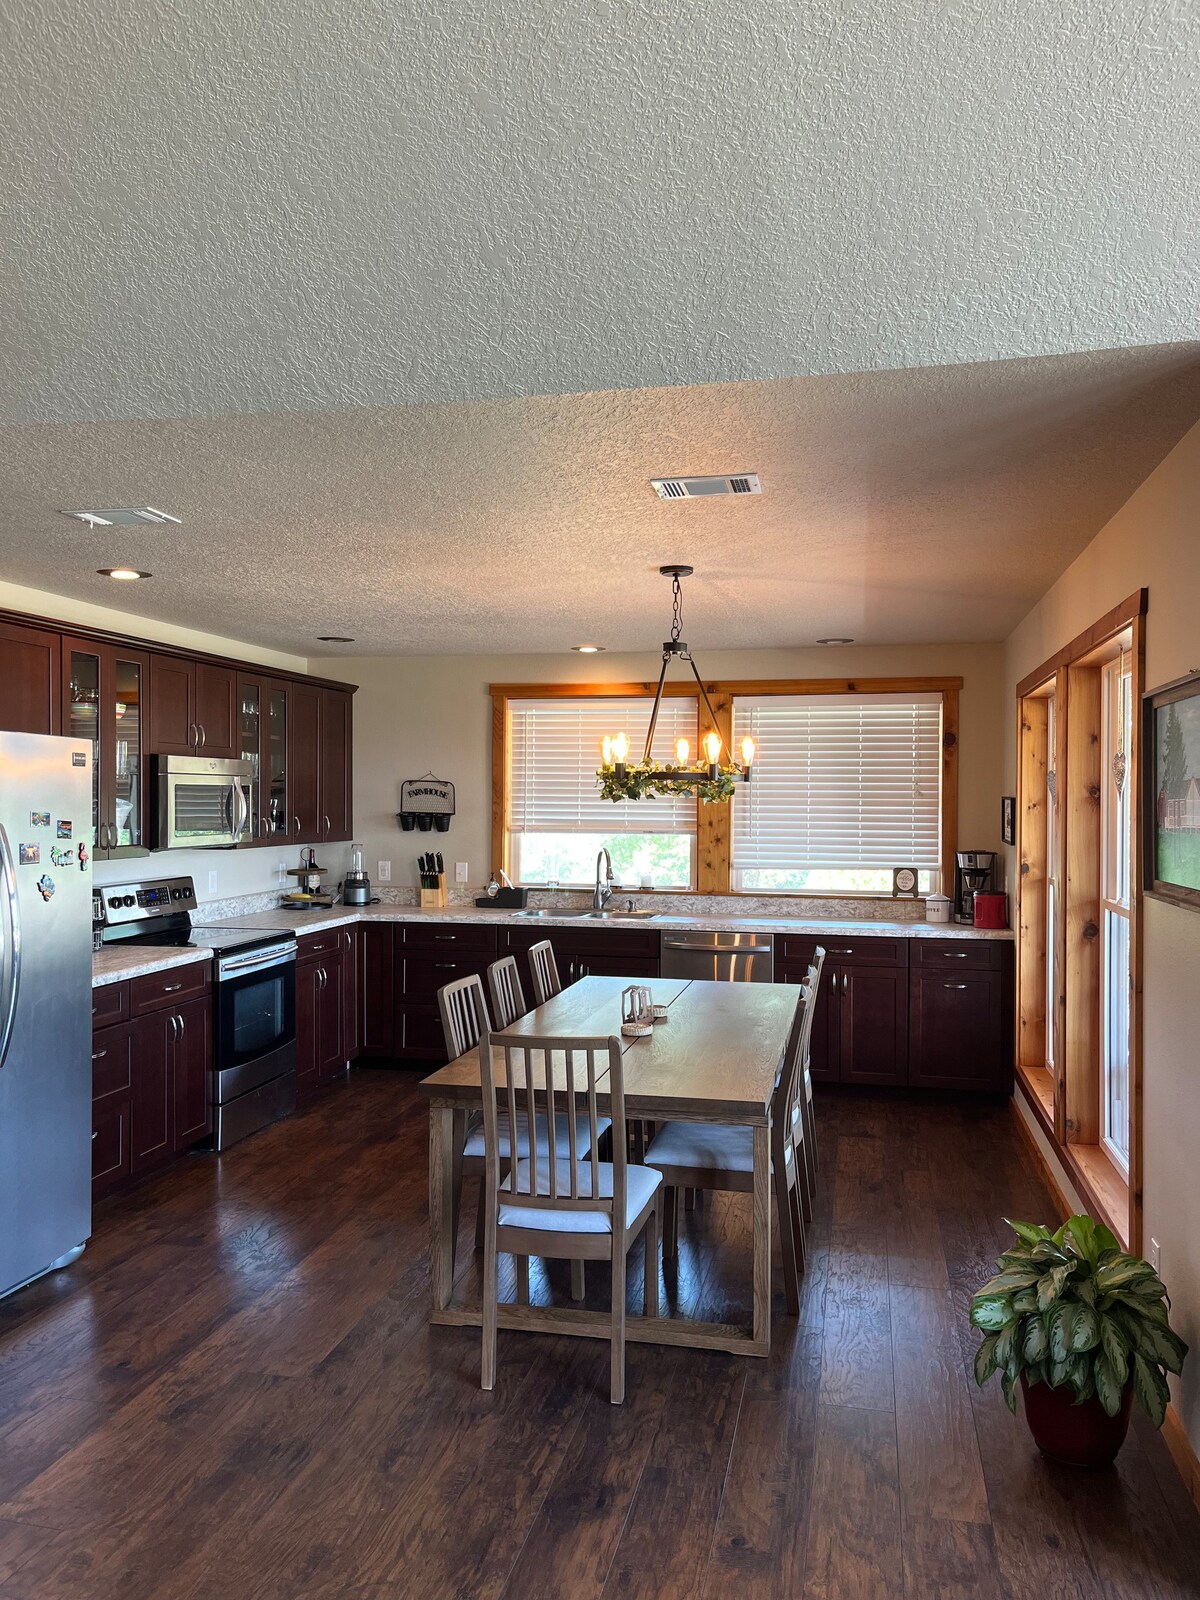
{"x": 1104, "y": 1187}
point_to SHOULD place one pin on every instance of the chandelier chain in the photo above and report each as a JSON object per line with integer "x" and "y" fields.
{"x": 676, "y": 609}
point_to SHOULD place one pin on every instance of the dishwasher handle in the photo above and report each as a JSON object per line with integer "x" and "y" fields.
{"x": 719, "y": 949}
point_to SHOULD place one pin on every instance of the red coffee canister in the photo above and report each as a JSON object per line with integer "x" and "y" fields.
{"x": 991, "y": 910}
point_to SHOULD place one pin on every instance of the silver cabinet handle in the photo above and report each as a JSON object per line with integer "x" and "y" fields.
{"x": 296, "y": 820}
{"x": 172, "y": 988}
{"x": 203, "y": 736}
{"x": 954, "y": 986}
{"x": 12, "y": 945}
{"x": 95, "y": 1135}
{"x": 193, "y": 736}
{"x": 325, "y": 820}
{"x": 182, "y": 1025}
{"x": 98, "y": 1055}
{"x": 174, "y": 1025}
{"x": 952, "y": 955}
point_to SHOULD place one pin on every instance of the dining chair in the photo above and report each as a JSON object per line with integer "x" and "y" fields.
{"x": 565, "y": 1202}
{"x": 702, "y": 1155}
{"x": 803, "y": 1107}
{"x": 544, "y": 970}
{"x": 465, "y": 1018}
{"x": 508, "y": 998}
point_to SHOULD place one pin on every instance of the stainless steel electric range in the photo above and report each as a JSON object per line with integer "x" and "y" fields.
{"x": 253, "y": 1078}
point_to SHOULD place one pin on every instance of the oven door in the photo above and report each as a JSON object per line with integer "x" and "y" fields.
{"x": 202, "y": 809}
{"x": 255, "y": 1022}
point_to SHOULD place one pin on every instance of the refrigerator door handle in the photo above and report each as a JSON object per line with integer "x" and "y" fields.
{"x": 12, "y": 946}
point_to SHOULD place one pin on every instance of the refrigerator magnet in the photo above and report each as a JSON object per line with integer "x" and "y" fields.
{"x": 39, "y": 819}
{"x": 64, "y": 828}
{"x": 62, "y": 858}
{"x": 83, "y": 858}
{"x": 30, "y": 854}
{"x": 46, "y": 886}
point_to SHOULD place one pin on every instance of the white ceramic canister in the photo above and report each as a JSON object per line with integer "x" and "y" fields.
{"x": 937, "y": 908}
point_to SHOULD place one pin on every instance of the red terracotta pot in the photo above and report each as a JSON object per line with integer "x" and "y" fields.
{"x": 1079, "y": 1435}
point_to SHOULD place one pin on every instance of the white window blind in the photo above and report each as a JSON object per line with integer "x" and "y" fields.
{"x": 555, "y": 751}
{"x": 839, "y": 781}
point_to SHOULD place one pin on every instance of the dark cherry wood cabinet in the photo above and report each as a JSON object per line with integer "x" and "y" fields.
{"x": 321, "y": 1052}
{"x": 426, "y": 956}
{"x": 151, "y": 1142}
{"x": 112, "y": 1094}
{"x": 872, "y": 1023}
{"x": 374, "y": 944}
{"x": 304, "y": 763}
{"x": 105, "y": 694}
{"x": 961, "y": 1027}
{"x": 191, "y": 1059}
{"x": 582, "y": 951}
{"x": 351, "y": 1022}
{"x": 335, "y": 764}
{"x": 30, "y": 679}
{"x": 193, "y": 707}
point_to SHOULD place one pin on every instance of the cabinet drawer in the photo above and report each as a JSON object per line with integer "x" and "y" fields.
{"x": 110, "y": 1003}
{"x": 582, "y": 939}
{"x": 978, "y": 955}
{"x": 112, "y": 1056}
{"x": 310, "y": 946}
{"x": 422, "y": 976}
{"x": 863, "y": 951}
{"x": 438, "y": 936}
{"x": 171, "y": 988}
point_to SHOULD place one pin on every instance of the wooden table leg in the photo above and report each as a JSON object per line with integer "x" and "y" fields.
{"x": 761, "y": 1330}
{"x": 441, "y": 1204}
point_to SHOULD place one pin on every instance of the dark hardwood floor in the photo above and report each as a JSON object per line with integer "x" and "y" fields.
{"x": 234, "y": 1395}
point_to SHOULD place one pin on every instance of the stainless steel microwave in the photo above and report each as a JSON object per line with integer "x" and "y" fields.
{"x": 201, "y": 800}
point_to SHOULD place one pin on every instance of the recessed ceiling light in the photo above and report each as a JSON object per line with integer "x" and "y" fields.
{"x": 123, "y": 574}
{"x": 588, "y": 649}
{"x": 835, "y": 641}
{"x": 124, "y": 517}
{"x": 334, "y": 638}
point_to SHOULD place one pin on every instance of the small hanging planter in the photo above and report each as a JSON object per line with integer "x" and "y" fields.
{"x": 426, "y": 803}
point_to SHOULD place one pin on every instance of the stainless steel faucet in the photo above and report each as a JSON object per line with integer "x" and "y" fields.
{"x": 603, "y": 894}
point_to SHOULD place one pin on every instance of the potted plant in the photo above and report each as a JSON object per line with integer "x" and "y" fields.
{"x": 1084, "y": 1327}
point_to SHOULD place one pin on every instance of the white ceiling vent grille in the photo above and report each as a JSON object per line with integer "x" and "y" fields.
{"x": 124, "y": 517}
{"x": 695, "y": 488}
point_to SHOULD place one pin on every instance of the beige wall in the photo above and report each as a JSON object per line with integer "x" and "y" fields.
{"x": 419, "y": 713}
{"x": 1151, "y": 542}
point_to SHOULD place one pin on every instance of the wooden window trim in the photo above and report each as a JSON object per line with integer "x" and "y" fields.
{"x": 714, "y": 836}
{"x": 1071, "y": 1114}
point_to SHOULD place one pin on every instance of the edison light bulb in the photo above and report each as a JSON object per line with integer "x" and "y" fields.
{"x": 683, "y": 751}
{"x": 620, "y": 748}
{"x": 747, "y": 751}
{"x": 606, "y": 751}
{"x": 712, "y": 747}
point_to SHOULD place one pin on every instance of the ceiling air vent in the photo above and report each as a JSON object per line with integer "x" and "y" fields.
{"x": 124, "y": 517}
{"x": 694, "y": 488}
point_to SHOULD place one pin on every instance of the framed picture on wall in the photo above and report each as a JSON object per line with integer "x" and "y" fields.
{"x": 1008, "y": 818}
{"x": 1171, "y": 809}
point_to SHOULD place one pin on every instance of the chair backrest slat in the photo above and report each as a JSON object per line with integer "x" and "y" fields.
{"x": 508, "y": 997}
{"x": 555, "y": 1077}
{"x": 801, "y": 1087}
{"x": 464, "y": 1014}
{"x": 544, "y": 971}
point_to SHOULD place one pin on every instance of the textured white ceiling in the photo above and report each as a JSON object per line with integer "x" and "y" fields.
{"x": 920, "y": 506}
{"x": 246, "y": 206}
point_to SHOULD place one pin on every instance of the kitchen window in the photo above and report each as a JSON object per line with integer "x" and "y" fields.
{"x": 557, "y": 819}
{"x": 845, "y": 788}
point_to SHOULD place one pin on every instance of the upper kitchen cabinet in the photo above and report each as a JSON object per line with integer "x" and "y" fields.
{"x": 264, "y": 721}
{"x": 104, "y": 700}
{"x": 30, "y": 679}
{"x": 193, "y": 707}
{"x": 319, "y": 756}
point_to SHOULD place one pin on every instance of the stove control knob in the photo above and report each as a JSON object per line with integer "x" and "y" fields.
{"x": 115, "y": 901}
{"x": 128, "y": 900}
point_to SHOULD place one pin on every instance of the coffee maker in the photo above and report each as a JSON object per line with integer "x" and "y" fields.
{"x": 973, "y": 874}
{"x": 356, "y": 886}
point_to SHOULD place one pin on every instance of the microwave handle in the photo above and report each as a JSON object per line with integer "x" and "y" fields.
{"x": 237, "y": 810}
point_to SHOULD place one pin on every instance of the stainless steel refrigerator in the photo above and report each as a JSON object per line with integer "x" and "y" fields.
{"x": 45, "y": 1003}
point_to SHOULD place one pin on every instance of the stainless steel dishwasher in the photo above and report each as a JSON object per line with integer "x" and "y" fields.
{"x": 725, "y": 957}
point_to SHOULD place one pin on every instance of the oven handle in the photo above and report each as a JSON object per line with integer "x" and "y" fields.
{"x": 238, "y": 967}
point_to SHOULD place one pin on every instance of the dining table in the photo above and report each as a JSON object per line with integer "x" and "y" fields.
{"x": 715, "y": 1058}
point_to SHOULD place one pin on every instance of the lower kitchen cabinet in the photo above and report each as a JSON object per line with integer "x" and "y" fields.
{"x": 961, "y": 1030}
{"x": 191, "y": 1060}
{"x": 375, "y": 970}
{"x": 860, "y": 1028}
{"x": 425, "y": 957}
{"x": 321, "y": 1052}
{"x": 584, "y": 952}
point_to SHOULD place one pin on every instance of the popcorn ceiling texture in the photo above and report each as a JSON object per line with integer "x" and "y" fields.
{"x": 243, "y": 207}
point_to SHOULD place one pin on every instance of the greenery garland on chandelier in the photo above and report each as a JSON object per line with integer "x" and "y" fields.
{"x": 650, "y": 780}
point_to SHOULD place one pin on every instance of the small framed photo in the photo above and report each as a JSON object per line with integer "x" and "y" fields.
{"x": 1171, "y": 792}
{"x": 1008, "y": 818}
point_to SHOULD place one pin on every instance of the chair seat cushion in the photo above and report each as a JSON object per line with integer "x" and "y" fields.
{"x": 474, "y": 1144}
{"x": 702, "y": 1144}
{"x": 640, "y": 1184}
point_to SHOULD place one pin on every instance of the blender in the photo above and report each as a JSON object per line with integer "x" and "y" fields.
{"x": 356, "y": 886}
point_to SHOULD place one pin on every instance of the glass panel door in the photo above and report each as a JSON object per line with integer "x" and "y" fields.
{"x": 83, "y": 722}
{"x": 250, "y": 749}
{"x": 275, "y": 799}
{"x": 128, "y": 724}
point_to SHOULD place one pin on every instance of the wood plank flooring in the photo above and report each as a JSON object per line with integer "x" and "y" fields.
{"x": 235, "y": 1395}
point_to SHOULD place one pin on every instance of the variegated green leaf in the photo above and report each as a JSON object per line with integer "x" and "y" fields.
{"x": 1106, "y": 1239}
{"x": 1052, "y": 1285}
{"x": 1025, "y": 1301}
{"x": 1081, "y": 1238}
{"x": 1060, "y": 1372}
{"x": 1122, "y": 1274}
{"x": 1028, "y": 1232}
{"x": 991, "y": 1312}
{"x": 1083, "y": 1380}
{"x": 1159, "y": 1344}
{"x": 1110, "y": 1384}
{"x": 1035, "y": 1342}
{"x": 1009, "y": 1385}
{"x": 1114, "y": 1344}
{"x": 985, "y": 1359}
{"x": 1151, "y": 1389}
{"x": 1085, "y": 1288}
{"x": 1010, "y": 1282}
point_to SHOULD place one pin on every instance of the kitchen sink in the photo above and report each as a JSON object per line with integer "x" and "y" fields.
{"x": 549, "y": 911}
{"x": 619, "y": 916}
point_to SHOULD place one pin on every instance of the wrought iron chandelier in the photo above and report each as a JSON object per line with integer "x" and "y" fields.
{"x": 714, "y": 777}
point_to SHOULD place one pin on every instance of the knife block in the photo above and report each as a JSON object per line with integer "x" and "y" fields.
{"x": 435, "y": 899}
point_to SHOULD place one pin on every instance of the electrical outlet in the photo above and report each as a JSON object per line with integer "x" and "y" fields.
{"x": 212, "y": 881}
{"x": 460, "y": 872}
{"x": 282, "y": 870}
{"x": 385, "y": 872}
{"x": 1156, "y": 1256}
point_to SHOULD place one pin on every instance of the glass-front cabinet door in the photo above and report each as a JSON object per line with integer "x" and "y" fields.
{"x": 263, "y": 721}
{"x": 104, "y": 702}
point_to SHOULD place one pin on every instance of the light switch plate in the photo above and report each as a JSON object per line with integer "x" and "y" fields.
{"x": 212, "y": 881}
{"x": 460, "y": 872}
{"x": 385, "y": 872}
